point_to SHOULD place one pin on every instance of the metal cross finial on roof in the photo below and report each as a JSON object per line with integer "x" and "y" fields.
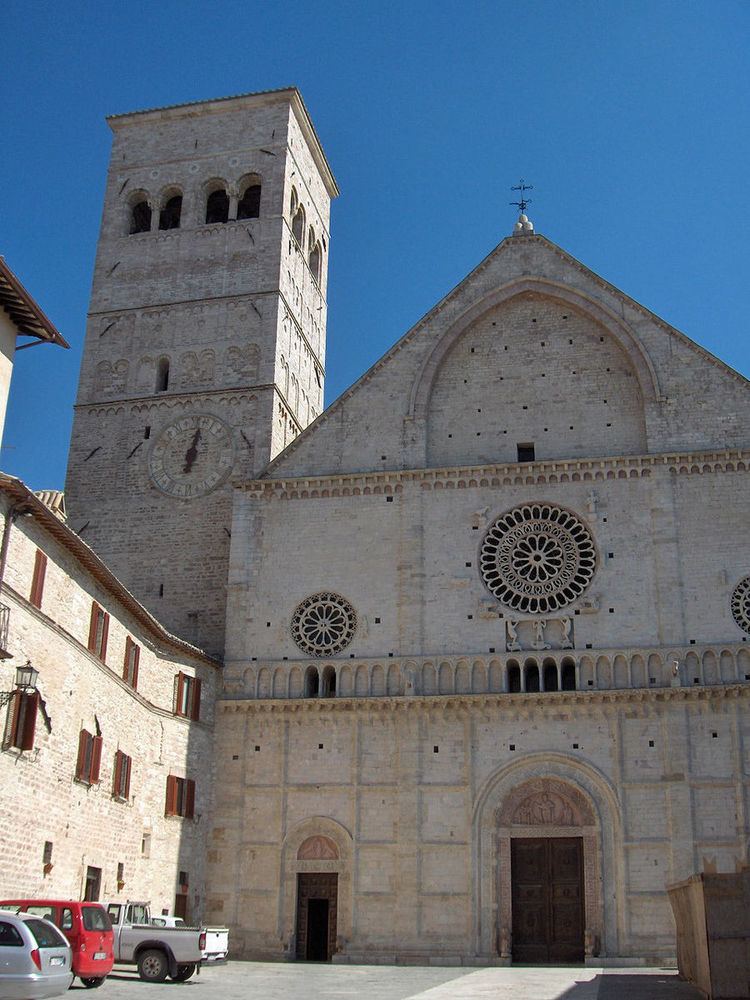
{"x": 522, "y": 202}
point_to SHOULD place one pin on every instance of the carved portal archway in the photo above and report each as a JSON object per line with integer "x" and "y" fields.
{"x": 548, "y": 807}
{"x": 316, "y": 846}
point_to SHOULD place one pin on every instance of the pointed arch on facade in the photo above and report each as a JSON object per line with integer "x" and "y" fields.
{"x": 617, "y": 328}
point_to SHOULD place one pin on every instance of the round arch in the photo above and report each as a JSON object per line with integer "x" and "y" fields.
{"x": 308, "y": 848}
{"x": 618, "y": 329}
{"x": 547, "y": 795}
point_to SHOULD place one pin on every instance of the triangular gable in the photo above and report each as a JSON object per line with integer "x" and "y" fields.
{"x": 516, "y": 259}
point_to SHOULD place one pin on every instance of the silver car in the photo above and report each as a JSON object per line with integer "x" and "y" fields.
{"x": 35, "y": 958}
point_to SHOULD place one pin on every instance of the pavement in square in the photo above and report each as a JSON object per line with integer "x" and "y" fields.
{"x": 308, "y": 981}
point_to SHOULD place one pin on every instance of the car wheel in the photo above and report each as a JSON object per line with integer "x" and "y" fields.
{"x": 184, "y": 972}
{"x": 152, "y": 966}
{"x": 91, "y": 982}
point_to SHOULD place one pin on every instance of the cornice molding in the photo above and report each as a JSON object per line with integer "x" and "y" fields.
{"x": 553, "y": 471}
{"x": 551, "y": 701}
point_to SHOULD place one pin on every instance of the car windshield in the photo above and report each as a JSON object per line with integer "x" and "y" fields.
{"x": 45, "y": 935}
{"x": 95, "y": 919}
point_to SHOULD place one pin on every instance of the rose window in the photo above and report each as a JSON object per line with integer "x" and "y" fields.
{"x": 741, "y": 604}
{"x": 537, "y": 558}
{"x": 323, "y": 624}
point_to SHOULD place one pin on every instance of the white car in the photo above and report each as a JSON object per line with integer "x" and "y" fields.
{"x": 168, "y": 921}
{"x": 35, "y": 958}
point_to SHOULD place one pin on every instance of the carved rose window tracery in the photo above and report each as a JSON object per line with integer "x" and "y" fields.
{"x": 537, "y": 558}
{"x": 323, "y": 624}
{"x": 740, "y": 604}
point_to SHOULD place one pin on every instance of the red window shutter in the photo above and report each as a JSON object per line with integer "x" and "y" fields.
{"x": 95, "y": 609}
{"x": 83, "y": 742}
{"x": 170, "y": 806}
{"x": 136, "y": 663}
{"x": 96, "y": 759}
{"x": 37, "y": 583}
{"x": 179, "y": 686}
{"x": 195, "y": 708}
{"x": 116, "y": 780}
{"x": 189, "y": 799}
{"x": 105, "y": 632}
{"x": 126, "y": 666}
{"x": 126, "y": 764}
{"x": 31, "y": 704}
{"x": 11, "y": 720}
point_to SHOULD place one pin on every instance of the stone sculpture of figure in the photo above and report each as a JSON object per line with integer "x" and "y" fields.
{"x": 591, "y": 501}
{"x": 539, "y": 626}
{"x": 410, "y": 676}
{"x": 511, "y": 629}
{"x": 505, "y": 942}
{"x": 566, "y": 624}
{"x": 675, "y": 682}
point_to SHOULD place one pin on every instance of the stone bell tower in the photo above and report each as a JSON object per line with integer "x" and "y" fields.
{"x": 205, "y": 342}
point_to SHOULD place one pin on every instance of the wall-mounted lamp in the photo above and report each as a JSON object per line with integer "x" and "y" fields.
{"x": 25, "y": 681}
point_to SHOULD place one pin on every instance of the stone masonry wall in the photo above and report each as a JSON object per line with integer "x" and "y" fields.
{"x": 41, "y": 798}
{"x": 410, "y": 791}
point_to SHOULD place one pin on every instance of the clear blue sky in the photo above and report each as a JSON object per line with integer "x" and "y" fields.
{"x": 631, "y": 120}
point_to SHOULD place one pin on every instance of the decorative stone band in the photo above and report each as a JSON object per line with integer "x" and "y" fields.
{"x": 515, "y": 474}
{"x": 545, "y": 673}
{"x": 643, "y": 701}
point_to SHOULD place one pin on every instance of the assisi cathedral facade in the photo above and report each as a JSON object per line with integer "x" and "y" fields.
{"x": 483, "y": 621}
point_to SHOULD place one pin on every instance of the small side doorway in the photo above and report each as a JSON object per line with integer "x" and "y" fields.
{"x": 547, "y": 899}
{"x": 317, "y": 899}
{"x": 93, "y": 884}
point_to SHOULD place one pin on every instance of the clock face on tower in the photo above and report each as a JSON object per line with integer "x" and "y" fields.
{"x": 192, "y": 456}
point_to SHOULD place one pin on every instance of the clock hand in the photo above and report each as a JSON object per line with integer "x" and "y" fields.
{"x": 192, "y": 453}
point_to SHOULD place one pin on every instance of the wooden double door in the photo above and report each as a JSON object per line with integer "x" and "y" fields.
{"x": 547, "y": 899}
{"x": 317, "y": 905}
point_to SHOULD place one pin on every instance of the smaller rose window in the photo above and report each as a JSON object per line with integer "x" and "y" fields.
{"x": 740, "y": 604}
{"x": 323, "y": 624}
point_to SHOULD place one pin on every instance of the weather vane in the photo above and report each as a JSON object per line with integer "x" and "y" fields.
{"x": 522, "y": 202}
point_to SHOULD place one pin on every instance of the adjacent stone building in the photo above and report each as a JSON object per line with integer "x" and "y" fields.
{"x": 484, "y": 620}
{"x": 105, "y": 764}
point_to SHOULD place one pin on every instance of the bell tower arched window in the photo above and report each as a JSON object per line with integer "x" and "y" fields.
{"x": 162, "y": 375}
{"x": 248, "y": 206}
{"x": 314, "y": 258}
{"x": 217, "y": 207}
{"x": 140, "y": 217}
{"x": 298, "y": 226}
{"x": 169, "y": 217}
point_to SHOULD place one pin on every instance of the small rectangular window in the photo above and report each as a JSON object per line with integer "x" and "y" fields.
{"x": 130, "y": 667}
{"x": 525, "y": 452}
{"x": 20, "y": 722}
{"x": 121, "y": 776}
{"x": 180, "y": 800}
{"x": 89, "y": 758}
{"x": 37, "y": 582}
{"x": 98, "y": 631}
{"x": 187, "y": 696}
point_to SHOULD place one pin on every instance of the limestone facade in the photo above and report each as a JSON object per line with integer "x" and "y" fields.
{"x": 59, "y": 825}
{"x": 494, "y": 595}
